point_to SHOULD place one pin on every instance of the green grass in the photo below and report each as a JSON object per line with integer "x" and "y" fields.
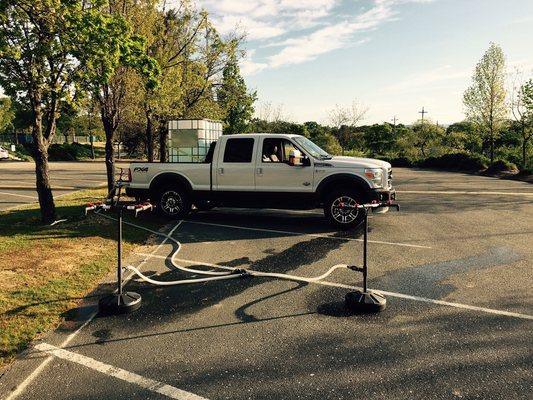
{"x": 46, "y": 270}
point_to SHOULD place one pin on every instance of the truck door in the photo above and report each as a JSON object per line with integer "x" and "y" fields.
{"x": 273, "y": 172}
{"x": 235, "y": 168}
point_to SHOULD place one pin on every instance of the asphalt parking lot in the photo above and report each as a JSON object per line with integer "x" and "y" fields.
{"x": 455, "y": 264}
{"x": 17, "y": 180}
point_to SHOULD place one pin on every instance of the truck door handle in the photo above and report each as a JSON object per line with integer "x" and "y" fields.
{"x": 259, "y": 171}
{"x": 221, "y": 171}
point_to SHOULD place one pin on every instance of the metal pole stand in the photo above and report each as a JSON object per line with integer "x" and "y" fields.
{"x": 366, "y": 301}
{"x": 119, "y": 302}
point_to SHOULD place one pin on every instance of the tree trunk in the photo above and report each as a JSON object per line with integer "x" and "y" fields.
{"x": 91, "y": 139}
{"x": 163, "y": 141}
{"x": 491, "y": 145}
{"x": 109, "y": 152}
{"x": 42, "y": 176}
{"x": 149, "y": 135}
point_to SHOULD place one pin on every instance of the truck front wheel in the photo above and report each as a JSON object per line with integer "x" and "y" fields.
{"x": 173, "y": 202}
{"x": 340, "y": 208}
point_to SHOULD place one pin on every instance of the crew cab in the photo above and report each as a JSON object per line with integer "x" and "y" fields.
{"x": 265, "y": 171}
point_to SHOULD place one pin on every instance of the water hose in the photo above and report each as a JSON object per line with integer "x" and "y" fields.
{"x": 229, "y": 273}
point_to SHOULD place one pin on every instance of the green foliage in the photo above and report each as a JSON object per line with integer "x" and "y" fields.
{"x": 234, "y": 99}
{"x": 456, "y": 162}
{"x": 22, "y": 152}
{"x": 322, "y": 137}
{"x": 485, "y": 98}
{"x": 500, "y": 166}
{"x": 101, "y": 43}
{"x": 7, "y": 113}
{"x": 69, "y": 152}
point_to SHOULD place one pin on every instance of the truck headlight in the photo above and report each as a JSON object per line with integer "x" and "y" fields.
{"x": 375, "y": 175}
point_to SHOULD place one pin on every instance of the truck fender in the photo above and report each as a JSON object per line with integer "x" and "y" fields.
{"x": 339, "y": 180}
{"x": 166, "y": 178}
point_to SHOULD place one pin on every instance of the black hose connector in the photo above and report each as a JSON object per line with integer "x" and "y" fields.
{"x": 241, "y": 271}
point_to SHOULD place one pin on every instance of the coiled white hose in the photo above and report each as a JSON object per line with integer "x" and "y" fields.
{"x": 230, "y": 273}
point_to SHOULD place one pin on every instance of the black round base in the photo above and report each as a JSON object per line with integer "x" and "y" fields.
{"x": 365, "y": 302}
{"x": 114, "y": 304}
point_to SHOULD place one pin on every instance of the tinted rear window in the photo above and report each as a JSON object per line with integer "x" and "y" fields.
{"x": 239, "y": 150}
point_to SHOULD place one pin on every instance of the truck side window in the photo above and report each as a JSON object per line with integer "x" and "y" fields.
{"x": 277, "y": 150}
{"x": 272, "y": 150}
{"x": 239, "y": 150}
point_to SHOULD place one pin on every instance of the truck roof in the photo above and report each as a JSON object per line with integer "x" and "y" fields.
{"x": 261, "y": 134}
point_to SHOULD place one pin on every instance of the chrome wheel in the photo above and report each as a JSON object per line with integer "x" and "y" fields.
{"x": 171, "y": 202}
{"x": 344, "y": 210}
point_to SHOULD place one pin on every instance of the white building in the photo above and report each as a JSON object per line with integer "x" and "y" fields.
{"x": 189, "y": 139}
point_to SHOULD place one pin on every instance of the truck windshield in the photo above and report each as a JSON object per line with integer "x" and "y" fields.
{"x": 312, "y": 148}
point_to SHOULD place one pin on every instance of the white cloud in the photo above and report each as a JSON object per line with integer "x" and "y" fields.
{"x": 264, "y": 19}
{"x": 425, "y": 79}
{"x": 249, "y": 67}
{"x": 289, "y": 22}
{"x": 332, "y": 37}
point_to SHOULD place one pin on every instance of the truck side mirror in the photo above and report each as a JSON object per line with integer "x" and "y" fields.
{"x": 306, "y": 162}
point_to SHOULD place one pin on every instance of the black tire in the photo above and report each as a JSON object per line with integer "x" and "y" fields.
{"x": 173, "y": 202}
{"x": 204, "y": 205}
{"x": 340, "y": 210}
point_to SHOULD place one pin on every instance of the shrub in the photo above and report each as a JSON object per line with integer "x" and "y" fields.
{"x": 455, "y": 162}
{"x": 21, "y": 152}
{"x": 501, "y": 166}
{"x": 398, "y": 161}
{"x": 69, "y": 152}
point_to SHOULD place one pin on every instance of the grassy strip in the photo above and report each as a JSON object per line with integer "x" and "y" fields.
{"x": 46, "y": 270}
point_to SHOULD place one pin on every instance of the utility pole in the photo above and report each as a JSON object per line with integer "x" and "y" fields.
{"x": 394, "y": 125}
{"x": 423, "y": 112}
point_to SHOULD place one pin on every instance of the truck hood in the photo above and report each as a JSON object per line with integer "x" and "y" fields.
{"x": 341, "y": 161}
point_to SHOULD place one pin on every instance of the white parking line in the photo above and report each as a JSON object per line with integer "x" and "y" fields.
{"x": 307, "y": 234}
{"x": 35, "y": 373}
{"x": 119, "y": 373}
{"x": 19, "y": 195}
{"x": 465, "y": 192}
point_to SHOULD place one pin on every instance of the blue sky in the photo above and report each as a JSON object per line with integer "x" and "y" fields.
{"x": 394, "y": 56}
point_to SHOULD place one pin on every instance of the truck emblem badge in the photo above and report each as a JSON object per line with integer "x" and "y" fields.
{"x": 306, "y": 183}
{"x": 140, "y": 169}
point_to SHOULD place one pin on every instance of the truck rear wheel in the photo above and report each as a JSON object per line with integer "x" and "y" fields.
{"x": 340, "y": 208}
{"x": 173, "y": 201}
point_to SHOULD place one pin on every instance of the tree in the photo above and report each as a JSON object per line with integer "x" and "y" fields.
{"x": 426, "y": 136}
{"x": 322, "y": 137}
{"x": 522, "y": 111}
{"x": 192, "y": 56}
{"x": 104, "y": 67}
{"x": 346, "y": 119}
{"x": 380, "y": 138}
{"x": 40, "y": 67}
{"x": 234, "y": 99}
{"x": 7, "y": 114}
{"x": 485, "y": 98}
{"x": 463, "y": 135}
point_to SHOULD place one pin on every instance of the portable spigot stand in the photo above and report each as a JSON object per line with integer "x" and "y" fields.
{"x": 120, "y": 301}
{"x": 367, "y": 301}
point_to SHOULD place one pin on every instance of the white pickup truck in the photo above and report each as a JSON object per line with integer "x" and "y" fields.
{"x": 265, "y": 171}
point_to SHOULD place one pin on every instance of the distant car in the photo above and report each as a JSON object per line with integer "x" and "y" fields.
{"x": 3, "y": 153}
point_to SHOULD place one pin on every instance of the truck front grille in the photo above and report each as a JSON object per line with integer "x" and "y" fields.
{"x": 389, "y": 178}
